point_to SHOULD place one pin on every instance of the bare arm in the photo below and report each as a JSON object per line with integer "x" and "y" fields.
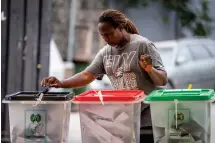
{"x": 95, "y": 69}
{"x": 158, "y": 77}
{"x": 78, "y": 80}
{"x": 152, "y": 63}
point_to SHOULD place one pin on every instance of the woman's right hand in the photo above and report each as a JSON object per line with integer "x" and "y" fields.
{"x": 51, "y": 82}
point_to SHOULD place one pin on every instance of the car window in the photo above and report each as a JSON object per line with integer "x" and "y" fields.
{"x": 199, "y": 52}
{"x": 183, "y": 55}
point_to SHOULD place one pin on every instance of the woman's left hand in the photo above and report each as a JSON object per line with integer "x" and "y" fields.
{"x": 146, "y": 62}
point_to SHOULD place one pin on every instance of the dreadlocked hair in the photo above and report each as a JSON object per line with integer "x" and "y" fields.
{"x": 116, "y": 18}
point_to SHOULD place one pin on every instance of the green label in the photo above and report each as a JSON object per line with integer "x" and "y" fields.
{"x": 35, "y": 125}
{"x": 180, "y": 116}
{"x": 35, "y": 118}
{"x": 175, "y": 120}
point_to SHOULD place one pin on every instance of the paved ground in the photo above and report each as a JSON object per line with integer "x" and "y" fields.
{"x": 74, "y": 129}
{"x": 213, "y": 124}
{"x": 75, "y": 132}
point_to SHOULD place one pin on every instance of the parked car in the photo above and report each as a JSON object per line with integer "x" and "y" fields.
{"x": 189, "y": 61}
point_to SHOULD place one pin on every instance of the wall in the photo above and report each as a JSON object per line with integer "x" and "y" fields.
{"x": 25, "y": 48}
{"x": 60, "y": 24}
{"x": 87, "y": 39}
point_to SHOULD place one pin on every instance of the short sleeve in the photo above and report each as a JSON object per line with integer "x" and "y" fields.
{"x": 97, "y": 67}
{"x": 151, "y": 50}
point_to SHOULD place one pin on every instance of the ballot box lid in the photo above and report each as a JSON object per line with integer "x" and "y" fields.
{"x": 110, "y": 96}
{"x": 181, "y": 95}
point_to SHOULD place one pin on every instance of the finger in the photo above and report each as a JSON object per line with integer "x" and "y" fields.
{"x": 143, "y": 65}
{"x": 51, "y": 79}
{"x": 44, "y": 81}
{"x": 54, "y": 85}
{"x": 144, "y": 57}
{"x": 41, "y": 83}
{"x": 147, "y": 57}
{"x": 145, "y": 61}
{"x": 149, "y": 60}
{"x": 47, "y": 81}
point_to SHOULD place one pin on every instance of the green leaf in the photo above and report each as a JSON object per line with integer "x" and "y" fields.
{"x": 200, "y": 30}
{"x": 205, "y": 5}
{"x": 206, "y": 17}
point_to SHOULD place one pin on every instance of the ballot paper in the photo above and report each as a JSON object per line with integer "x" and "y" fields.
{"x": 188, "y": 131}
{"x": 109, "y": 123}
{"x": 39, "y": 124}
{"x": 162, "y": 140}
{"x": 109, "y": 111}
{"x": 158, "y": 132}
{"x": 123, "y": 118}
{"x": 116, "y": 129}
{"x": 99, "y": 134}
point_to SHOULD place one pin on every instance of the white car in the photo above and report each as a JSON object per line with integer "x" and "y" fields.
{"x": 189, "y": 61}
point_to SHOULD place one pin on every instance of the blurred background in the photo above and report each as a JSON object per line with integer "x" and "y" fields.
{"x": 182, "y": 30}
{"x": 59, "y": 38}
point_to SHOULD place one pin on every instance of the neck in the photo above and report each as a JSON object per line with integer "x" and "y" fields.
{"x": 125, "y": 39}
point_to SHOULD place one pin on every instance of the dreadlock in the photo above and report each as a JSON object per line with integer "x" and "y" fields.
{"x": 116, "y": 18}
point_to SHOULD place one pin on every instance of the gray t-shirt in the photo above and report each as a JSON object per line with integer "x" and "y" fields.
{"x": 122, "y": 67}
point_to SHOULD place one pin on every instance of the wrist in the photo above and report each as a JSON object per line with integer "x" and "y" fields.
{"x": 62, "y": 84}
{"x": 148, "y": 68}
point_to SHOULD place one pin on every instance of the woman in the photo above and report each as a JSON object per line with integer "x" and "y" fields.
{"x": 129, "y": 60}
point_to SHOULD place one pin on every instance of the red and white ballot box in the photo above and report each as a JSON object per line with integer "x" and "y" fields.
{"x": 110, "y": 116}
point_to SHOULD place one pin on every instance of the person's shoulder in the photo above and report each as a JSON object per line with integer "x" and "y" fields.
{"x": 104, "y": 49}
{"x": 140, "y": 39}
{"x": 143, "y": 41}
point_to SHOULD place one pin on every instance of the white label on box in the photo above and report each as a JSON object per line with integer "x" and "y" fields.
{"x": 35, "y": 125}
{"x": 183, "y": 116}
